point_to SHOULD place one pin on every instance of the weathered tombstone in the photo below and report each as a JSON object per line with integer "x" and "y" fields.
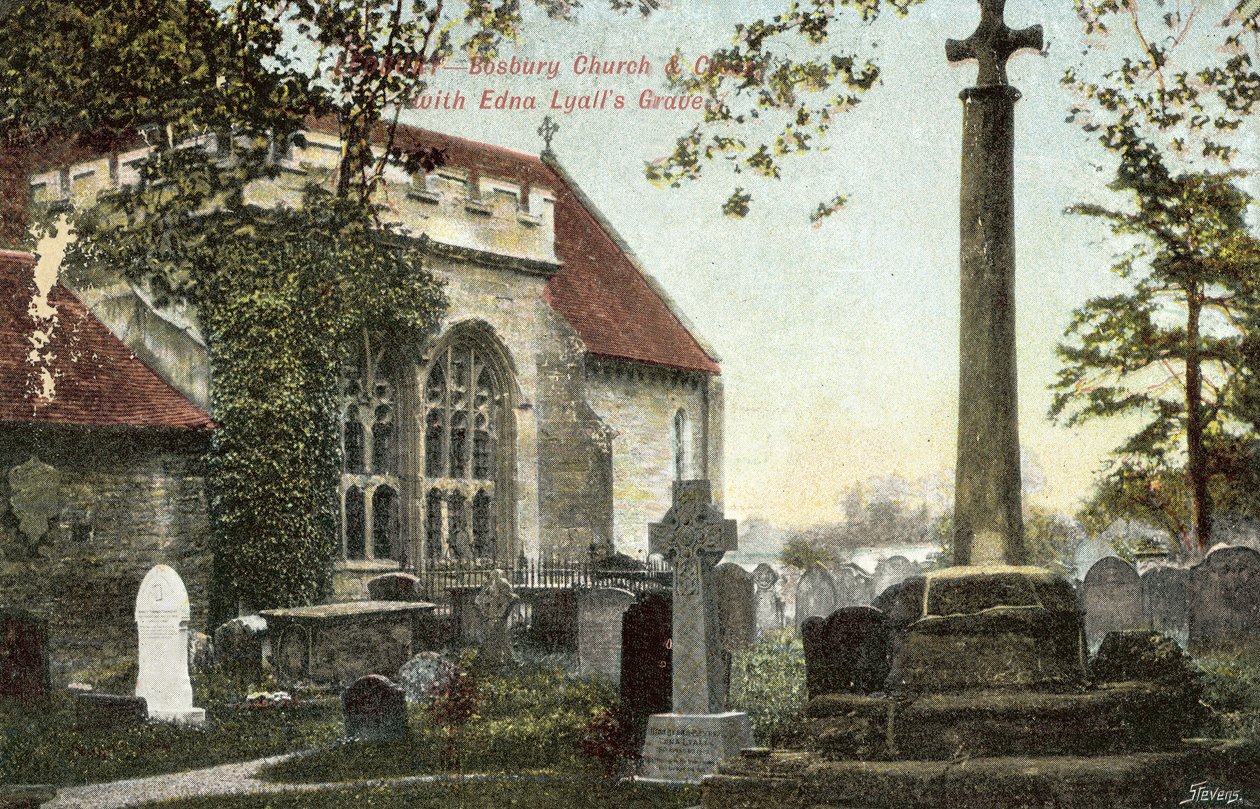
{"x": 699, "y": 734}
{"x": 815, "y": 594}
{"x": 1113, "y": 599}
{"x": 162, "y": 613}
{"x": 737, "y": 612}
{"x": 238, "y": 647}
{"x": 893, "y": 570}
{"x": 495, "y": 602}
{"x": 1224, "y": 608}
{"x": 394, "y": 587}
{"x": 1166, "y": 595}
{"x": 853, "y": 586}
{"x": 23, "y": 655}
{"x": 417, "y": 676}
{"x": 375, "y": 710}
{"x": 553, "y": 627}
{"x": 847, "y": 651}
{"x": 599, "y": 614}
{"x": 94, "y": 711}
{"x": 647, "y": 657}
{"x": 768, "y": 607}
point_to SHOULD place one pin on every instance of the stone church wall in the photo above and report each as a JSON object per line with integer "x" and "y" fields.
{"x": 638, "y": 403}
{"x": 117, "y": 503}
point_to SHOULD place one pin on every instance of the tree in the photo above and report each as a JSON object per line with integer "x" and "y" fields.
{"x": 803, "y": 553}
{"x": 784, "y": 75}
{"x": 1170, "y": 350}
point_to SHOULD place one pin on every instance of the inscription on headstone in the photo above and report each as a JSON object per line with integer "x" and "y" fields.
{"x": 162, "y": 613}
{"x": 599, "y": 614}
{"x": 1113, "y": 599}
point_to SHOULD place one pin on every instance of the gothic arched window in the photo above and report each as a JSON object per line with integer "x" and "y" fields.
{"x": 466, "y": 479}
{"x": 370, "y": 514}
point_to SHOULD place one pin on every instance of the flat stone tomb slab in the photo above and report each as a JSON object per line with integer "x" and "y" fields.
{"x": 683, "y": 748}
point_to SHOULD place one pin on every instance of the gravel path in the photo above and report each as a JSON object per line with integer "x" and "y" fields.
{"x": 227, "y": 779}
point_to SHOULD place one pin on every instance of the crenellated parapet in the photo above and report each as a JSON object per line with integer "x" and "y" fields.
{"x": 453, "y": 209}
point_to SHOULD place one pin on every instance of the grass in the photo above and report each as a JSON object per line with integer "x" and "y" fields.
{"x": 1231, "y": 694}
{"x": 525, "y": 794}
{"x": 531, "y": 721}
{"x": 39, "y": 744}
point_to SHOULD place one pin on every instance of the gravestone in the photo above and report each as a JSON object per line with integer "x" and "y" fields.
{"x": 846, "y": 652}
{"x": 95, "y": 711}
{"x": 599, "y": 615}
{"x": 495, "y": 602}
{"x": 417, "y": 675}
{"x": 1113, "y": 599}
{"x": 553, "y": 626}
{"x": 1166, "y": 596}
{"x": 893, "y": 570}
{"x": 238, "y": 647}
{"x": 699, "y": 734}
{"x": 815, "y": 594}
{"x": 647, "y": 657}
{"x": 737, "y": 610}
{"x": 23, "y": 656}
{"x": 768, "y": 607}
{"x": 375, "y": 710}
{"x": 1224, "y": 607}
{"x": 394, "y": 587}
{"x": 853, "y": 586}
{"x": 162, "y": 613}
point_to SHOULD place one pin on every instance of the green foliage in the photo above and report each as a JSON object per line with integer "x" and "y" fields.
{"x": 768, "y": 683}
{"x": 803, "y": 553}
{"x": 774, "y": 93}
{"x": 40, "y": 745}
{"x": 1231, "y": 684}
{"x": 1171, "y": 351}
{"x": 534, "y": 719}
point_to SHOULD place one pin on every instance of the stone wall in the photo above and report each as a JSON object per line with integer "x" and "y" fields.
{"x": 638, "y": 403}
{"x": 117, "y": 503}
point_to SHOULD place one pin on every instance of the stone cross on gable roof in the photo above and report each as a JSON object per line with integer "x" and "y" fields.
{"x": 993, "y": 43}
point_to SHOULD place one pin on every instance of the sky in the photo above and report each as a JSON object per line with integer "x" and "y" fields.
{"x": 839, "y": 344}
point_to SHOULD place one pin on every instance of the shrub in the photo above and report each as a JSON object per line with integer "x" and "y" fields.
{"x": 610, "y": 741}
{"x": 1231, "y": 693}
{"x": 768, "y": 683}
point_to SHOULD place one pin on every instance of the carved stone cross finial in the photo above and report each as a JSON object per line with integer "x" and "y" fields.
{"x": 993, "y": 43}
{"x": 548, "y": 130}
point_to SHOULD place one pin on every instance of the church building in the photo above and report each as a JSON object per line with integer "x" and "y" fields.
{"x": 547, "y": 417}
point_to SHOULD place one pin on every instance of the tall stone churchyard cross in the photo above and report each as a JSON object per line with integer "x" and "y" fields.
{"x": 989, "y": 619}
{"x": 988, "y": 524}
{"x": 699, "y": 733}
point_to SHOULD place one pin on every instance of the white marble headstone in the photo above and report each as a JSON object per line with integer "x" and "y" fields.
{"x": 162, "y": 614}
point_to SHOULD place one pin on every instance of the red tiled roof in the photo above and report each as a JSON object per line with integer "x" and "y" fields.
{"x": 97, "y": 381}
{"x": 598, "y": 289}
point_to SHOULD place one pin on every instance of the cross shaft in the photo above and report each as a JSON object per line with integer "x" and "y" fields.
{"x": 993, "y": 43}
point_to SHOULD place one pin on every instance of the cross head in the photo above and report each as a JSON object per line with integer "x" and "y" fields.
{"x": 993, "y": 43}
{"x": 548, "y": 130}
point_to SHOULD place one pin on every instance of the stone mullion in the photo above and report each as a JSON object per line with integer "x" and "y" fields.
{"x": 369, "y": 520}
